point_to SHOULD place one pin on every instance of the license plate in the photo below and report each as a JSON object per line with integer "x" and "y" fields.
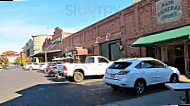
{"x": 112, "y": 75}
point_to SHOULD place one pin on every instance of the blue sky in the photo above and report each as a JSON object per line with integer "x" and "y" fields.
{"x": 23, "y": 18}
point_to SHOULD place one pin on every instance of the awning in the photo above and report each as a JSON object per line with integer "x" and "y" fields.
{"x": 163, "y": 36}
{"x": 69, "y": 54}
{"x": 41, "y": 54}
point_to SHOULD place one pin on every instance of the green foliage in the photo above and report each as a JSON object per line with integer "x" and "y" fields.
{"x": 4, "y": 60}
{"x": 18, "y": 60}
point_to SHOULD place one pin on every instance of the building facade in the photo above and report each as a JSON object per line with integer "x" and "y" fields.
{"x": 28, "y": 48}
{"x": 113, "y": 36}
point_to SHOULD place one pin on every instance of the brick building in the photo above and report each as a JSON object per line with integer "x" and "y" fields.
{"x": 53, "y": 45}
{"x": 113, "y": 36}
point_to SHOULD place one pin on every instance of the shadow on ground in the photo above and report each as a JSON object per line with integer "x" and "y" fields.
{"x": 71, "y": 94}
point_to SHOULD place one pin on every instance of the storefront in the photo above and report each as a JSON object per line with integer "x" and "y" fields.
{"x": 111, "y": 49}
{"x": 171, "y": 46}
{"x": 79, "y": 55}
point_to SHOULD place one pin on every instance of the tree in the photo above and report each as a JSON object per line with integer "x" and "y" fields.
{"x": 4, "y": 60}
{"x": 18, "y": 60}
{"x": 28, "y": 59}
{"x": 23, "y": 59}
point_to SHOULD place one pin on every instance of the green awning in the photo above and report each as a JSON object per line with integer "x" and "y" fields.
{"x": 163, "y": 36}
{"x": 69, "y": 54}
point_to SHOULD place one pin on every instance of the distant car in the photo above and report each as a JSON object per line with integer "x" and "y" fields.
{"x": 52, "y": 67}
{"x": 138, "y": 73}
{"x": 31, "y": 66}
{"x": 44, "y": 67}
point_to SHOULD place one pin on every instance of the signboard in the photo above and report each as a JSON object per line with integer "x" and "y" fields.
{"x": 168, "y": 11}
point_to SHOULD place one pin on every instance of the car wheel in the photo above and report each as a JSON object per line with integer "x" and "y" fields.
{"x": 58, "y": 75}
{"x": 174, "y": 79}
{"x": 139, "y": 87}
{"x": 30, "y": 68}
{"x": 78, "y": 76}
{"x": 115, "y": 87}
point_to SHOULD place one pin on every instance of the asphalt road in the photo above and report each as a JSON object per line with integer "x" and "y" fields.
{"x": 32, "y": 88}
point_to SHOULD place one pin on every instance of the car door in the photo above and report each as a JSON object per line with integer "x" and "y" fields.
{"x": 148, "y": 72}
{"x": 90, "y": 66}
{"x": 102, "y": 65}
{"x": 162, "y": 72}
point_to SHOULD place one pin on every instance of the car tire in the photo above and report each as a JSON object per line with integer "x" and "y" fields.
{"x": 174, "y": 79}
{"x": 78, "y": 76}
{"x": 139, "y": 87}
{"x": 115, "y": 87}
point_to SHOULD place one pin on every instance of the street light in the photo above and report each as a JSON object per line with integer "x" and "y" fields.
{"x": 97, "y": 39}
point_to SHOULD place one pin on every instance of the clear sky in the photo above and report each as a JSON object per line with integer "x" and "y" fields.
{"x": 22, "y": 18}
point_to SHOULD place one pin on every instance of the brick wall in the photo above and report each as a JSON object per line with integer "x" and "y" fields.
{"x": 133, "y": 21}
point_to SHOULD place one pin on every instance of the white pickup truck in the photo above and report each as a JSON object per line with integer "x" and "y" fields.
{"x": 94, "y": 65}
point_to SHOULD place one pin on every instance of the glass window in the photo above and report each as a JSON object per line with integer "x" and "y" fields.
{"x": 35, "y": 63}
{"x": 28, "y": 63}
{"x": 150, "y": 64}
{"x": 157, "y": 64}
{"x": 90, "y": 60}
{"x": 102, "y": 60}
{"x": 120, "y": 65}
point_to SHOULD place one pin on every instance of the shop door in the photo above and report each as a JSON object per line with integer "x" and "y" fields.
{"x": 179, "y": 58}
{"x": 188, "y": 59}
{"x": 115, "y": 52}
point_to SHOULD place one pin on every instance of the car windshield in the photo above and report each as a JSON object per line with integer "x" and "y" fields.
{"x": 52, "y": 64}
{"x": 120, "y": 65}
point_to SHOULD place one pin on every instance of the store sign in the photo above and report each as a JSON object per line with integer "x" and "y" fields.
{"x": 56, "y": 40}
{"x": 168, "y": 11}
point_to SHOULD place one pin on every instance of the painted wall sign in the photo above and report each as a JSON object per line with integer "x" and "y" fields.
{"x": 168, "y": 11}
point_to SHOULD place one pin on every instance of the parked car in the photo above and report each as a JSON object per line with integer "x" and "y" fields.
{"x": 52, "y": 67}
{"x": 138, "y": 73}
{"x": 44, "y": 67}
{"x": 94, "y": 65}
{"x": 31, "y": 66}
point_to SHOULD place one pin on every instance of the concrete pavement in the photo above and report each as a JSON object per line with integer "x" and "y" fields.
{"x": 165, "y": 97}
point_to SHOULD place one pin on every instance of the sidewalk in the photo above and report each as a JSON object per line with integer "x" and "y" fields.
{"x": 156, "y": 99}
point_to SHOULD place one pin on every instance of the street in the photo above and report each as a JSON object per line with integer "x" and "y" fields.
{"x": 32, "y": 88}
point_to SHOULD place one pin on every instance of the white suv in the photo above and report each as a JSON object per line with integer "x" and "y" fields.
{"x": 138, "y": 73}
{"x": 31, "y": 66}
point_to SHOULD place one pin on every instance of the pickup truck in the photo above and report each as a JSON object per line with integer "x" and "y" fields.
{"x": 94, "y": 65}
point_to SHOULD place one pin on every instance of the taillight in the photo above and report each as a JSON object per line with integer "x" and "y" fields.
{"x": 123, "y": 72}
{"x": 64, "y": 68}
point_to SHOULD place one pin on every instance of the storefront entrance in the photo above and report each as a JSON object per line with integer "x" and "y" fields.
{"x": 111, "y": 50}
{"x": 171, "y": 55}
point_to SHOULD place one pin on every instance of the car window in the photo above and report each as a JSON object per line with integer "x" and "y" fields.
{"x": 35, "y": 63}
{"x": 90, "y": 60}
{"x": 157, "y": 64}
{"x": 102, "y": 60}
{"x": 28, "y": 63}
{"x": 150, "y": 64}
{"x": 120, "y": 65}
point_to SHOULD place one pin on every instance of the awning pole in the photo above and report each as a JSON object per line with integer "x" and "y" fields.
{"x": 45, "y": 57}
